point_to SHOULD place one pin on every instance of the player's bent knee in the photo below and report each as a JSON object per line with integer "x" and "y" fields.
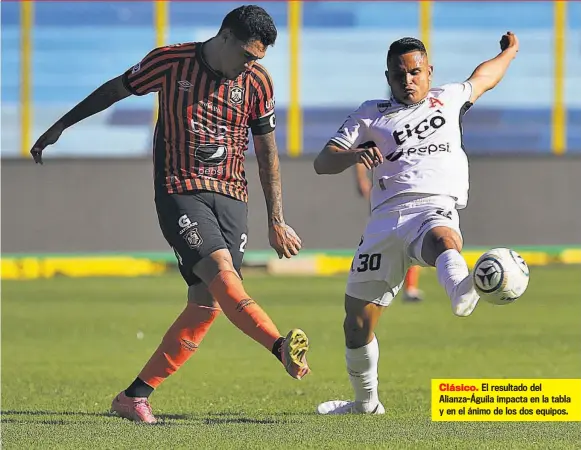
{"x": 209, "y": 267}
{"x": 199, "y": 295}
{"x": 437, "y": 241}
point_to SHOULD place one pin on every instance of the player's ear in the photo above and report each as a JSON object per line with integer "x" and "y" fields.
{"x": 430, "y": 72}
{"x": 387, "y": 78}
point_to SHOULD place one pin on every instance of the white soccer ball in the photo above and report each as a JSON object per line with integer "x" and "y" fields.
{"x": 500, "y": 276}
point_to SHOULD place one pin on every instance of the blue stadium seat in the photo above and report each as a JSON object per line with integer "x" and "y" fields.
{"x": 79, "y": 45}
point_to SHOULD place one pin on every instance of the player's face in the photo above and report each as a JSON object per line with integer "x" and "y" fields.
{"x": 239, "y": 56}
{"x": 409, "y": 77}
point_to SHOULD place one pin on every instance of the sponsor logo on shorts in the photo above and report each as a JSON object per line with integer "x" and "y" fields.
{"x": 184, "y": 222}
{"x": 193, "y": 238}
{"x": 189, "y": 232}
{"x": 446, "y": 214}
{"x": 440, "y": 212}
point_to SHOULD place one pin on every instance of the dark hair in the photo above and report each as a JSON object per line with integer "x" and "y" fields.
{"x": 249, "y": 23}
{"x": 405, "y": 45}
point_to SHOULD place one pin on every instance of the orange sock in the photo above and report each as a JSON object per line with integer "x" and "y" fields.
{"x": 179, "y": 343}
{"x": 411, "y": 277}
{"x": 242, "y": 311}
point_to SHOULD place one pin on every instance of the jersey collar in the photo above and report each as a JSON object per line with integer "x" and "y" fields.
{"x": 404, "y": 106}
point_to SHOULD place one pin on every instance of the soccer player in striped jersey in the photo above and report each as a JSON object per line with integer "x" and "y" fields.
{"x": 210, "y": 95}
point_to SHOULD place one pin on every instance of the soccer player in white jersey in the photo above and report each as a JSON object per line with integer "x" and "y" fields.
{"x": 413, "y": 143}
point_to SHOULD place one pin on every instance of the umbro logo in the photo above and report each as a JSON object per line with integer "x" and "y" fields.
{"x": 185, "y": 85}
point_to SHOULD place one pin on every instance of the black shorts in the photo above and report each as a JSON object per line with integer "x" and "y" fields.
{"x": 199, "y": 223}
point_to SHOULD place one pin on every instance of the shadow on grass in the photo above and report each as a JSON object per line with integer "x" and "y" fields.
{"x": 213, "y": 418}
{"x": 22, "y": 414}
{"x": 25, "y": 412}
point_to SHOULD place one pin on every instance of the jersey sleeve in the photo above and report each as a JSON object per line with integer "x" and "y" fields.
{"x": 262, "y": 117}
{"x": 148, "y": 75}
{"x": 458, "y": 93}
{"x": 353, "y": 131}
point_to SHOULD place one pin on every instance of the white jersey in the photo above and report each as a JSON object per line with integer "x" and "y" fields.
{"x": 421, "y": 143}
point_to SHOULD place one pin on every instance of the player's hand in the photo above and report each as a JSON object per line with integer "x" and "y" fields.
{"x": 48, "y": 138}
{"x": 509, "y": 40}
{"x": 284, "y": 240}
{"x": 369, "y": 155}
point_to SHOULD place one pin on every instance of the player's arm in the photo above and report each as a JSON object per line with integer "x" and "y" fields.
{"x": 281, "y": 236}
{"x": 346, "y": 148}
{"x": 363, "y": 181}
{"x": 488, "y": 74}
{"x": 269, "y": 173}
{"x": 262, "y": 123}
{"x": 141, "y": 79}
{"x": 100, "y": 99}
{"x": 335, "y": 158}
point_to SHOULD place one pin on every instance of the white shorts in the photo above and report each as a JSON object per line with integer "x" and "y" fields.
{"x": 392, "y": 242}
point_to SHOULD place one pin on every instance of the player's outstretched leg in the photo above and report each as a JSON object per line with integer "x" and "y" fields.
{"x": 179, "y": 343}
{"x": 362, "y": 358}
{"x": 226, "y": 287}
{"x": 441, "y": 248}
{"x": 252, "y": 320}
{"x": 411, "y": 292}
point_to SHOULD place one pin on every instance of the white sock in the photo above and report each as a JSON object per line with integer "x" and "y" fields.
{"x": 362, "y": 369}
{"x": 454, "y": 276}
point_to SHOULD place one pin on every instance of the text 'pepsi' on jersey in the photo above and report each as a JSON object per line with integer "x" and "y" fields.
{"x": 201, "y": 133}
{"x": 421, "y": 143}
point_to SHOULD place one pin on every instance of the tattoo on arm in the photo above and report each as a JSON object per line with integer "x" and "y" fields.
{"x": 269, "y": 171}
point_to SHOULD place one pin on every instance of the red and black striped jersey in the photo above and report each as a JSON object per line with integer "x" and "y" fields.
{"x": 203, "y": 123}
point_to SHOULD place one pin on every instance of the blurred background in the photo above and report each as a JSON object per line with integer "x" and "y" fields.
{"x": 94, "y": 193}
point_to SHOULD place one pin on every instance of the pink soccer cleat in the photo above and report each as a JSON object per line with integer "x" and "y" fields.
{"x": 136, "y": 409}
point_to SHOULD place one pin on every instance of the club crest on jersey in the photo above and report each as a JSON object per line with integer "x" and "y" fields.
{"x": 236, "y": 95}
{"x": 435, "y": 102}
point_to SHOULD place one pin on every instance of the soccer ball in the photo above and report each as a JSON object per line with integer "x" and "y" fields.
{"x": 500, "y": 276}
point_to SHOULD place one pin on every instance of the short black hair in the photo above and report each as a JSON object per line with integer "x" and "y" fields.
{"x": 250, "y": 23}
{"x": 405, "y": 45}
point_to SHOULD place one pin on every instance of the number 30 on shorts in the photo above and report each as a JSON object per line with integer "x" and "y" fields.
{"x": 367, "y": 262}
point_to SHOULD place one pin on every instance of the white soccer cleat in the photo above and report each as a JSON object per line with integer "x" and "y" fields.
{"x": 343, "y": 407}
{"x": 463, "y": 305}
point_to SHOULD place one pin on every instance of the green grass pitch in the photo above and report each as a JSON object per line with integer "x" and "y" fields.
{"x": 69, "y": 345}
